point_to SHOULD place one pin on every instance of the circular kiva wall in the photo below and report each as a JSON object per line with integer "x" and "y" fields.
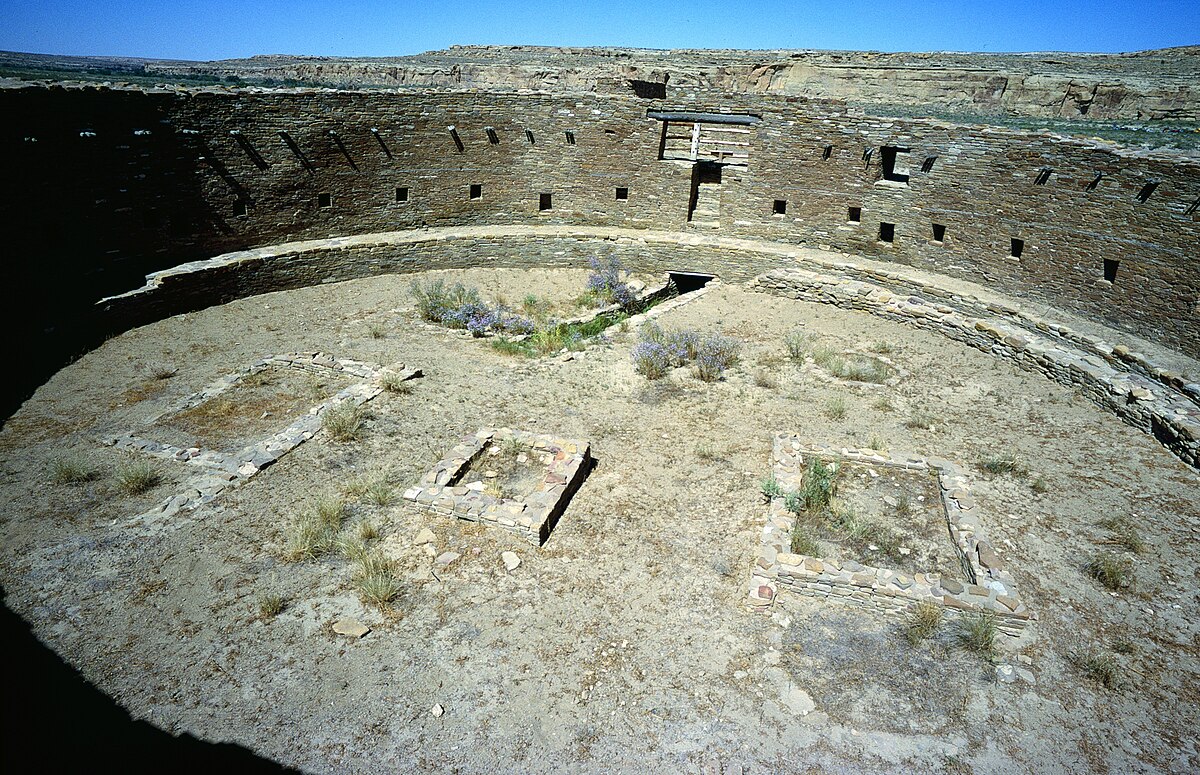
{"x": 108, "y": 184}
{"x": 1145, "y": 390}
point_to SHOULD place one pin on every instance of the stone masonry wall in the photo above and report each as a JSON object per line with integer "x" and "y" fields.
{"x": 104, "y": 185}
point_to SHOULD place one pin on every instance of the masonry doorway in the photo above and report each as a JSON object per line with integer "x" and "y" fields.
{"x": 705, "y": 205}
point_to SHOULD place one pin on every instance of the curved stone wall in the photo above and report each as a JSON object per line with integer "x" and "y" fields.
{"x": 107, "y": 184}
{"x": 1150, "y": 396}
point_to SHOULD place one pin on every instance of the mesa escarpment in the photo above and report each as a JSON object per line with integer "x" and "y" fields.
{"x": 1144, "y": 85}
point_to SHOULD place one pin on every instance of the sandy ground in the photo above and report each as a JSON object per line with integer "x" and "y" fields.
{"x": 622, "y": 645}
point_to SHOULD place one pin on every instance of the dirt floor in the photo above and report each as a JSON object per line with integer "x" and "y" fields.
{"x": 623, "y": 644}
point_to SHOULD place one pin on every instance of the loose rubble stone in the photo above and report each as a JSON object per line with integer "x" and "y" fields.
{"x": 352, "y": 627}
{"x": 511, "y": 560}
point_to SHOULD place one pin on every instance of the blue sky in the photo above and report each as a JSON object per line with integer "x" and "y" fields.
{"x": 216, "y": 29}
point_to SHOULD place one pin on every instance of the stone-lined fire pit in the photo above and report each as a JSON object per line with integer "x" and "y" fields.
{"x": 515, "y": 480}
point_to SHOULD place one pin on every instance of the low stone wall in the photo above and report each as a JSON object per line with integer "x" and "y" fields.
{"x": 531, "y": 515}
{"x": 1171, "y": 416}
{"x": 990, "y": 588}
{"x": 213, "y": 471}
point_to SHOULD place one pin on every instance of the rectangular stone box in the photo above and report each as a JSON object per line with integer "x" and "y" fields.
{"x": 531, "y": 514}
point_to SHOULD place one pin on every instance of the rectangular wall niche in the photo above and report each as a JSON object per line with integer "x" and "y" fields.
{"x": 622, "y": 194}
{"x": 401, "y": 194}
{"x": 324, "y": 200}
{"x": 1110, "y": 269}
{"x": 240, "y": 208}
{"x": 779, "y": 207}
{"x": 476, "y": 191}
{"x": 544, "y": 202}
{"x": 854, "y": 214}
{"x": 895, "y": 163}
{"x": 1016, "y": 247}
{"x": 887, "y": 232}
{"x": 939, "y": 232}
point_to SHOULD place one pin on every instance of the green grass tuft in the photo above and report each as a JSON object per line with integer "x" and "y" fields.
{"x": 137, "y": 477}
{"x": 922, "y": 622}
{"x": 1111, "y": 570}
{"x": 977, "y": 633}
{"x": 343, "y": 421}
{"x": 72, "y": 470}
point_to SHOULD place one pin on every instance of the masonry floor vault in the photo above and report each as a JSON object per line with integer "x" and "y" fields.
{"x": 622, "y": 644}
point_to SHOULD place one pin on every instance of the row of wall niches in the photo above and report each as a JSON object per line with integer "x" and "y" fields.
{"x": 894, "y": 160}
{"x": 325, "y": 200}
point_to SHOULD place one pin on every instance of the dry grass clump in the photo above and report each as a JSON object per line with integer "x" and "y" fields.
{"x": 1100, "y": 666}
{"x": 1124, "y": 533}
{"x": 161, "y": 371}
{"x": 137, "y": 477}
{"x": 921, "y": 419}
{"x": 1006, "y": 463}
{"x": 376, "y": 580}
{"x": 72, "y": 470}
{"x": 270, "y": 606}
{"x": 395, "y": 383}
{"x": 765, "y": 379}
{"x": 977, "y": 633}
{"x": 1111, "y": 570}
{"x": 315, "y": 532}
{"x": 922, "y": 622}
{"x": 379, "y": 493}
{"x": 802, "y": 541}
{"x": 836, "y": 409}
{"x": 343, "y": 421}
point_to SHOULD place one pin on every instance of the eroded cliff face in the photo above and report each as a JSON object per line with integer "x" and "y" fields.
{"x": 1150, "y": 85}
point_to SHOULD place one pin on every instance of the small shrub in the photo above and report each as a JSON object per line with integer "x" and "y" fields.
{"x": 376, "y": 330}
{"x": 921, "y": 419}
{"x": 343, "y": 421}
{"x": 836, "y": 409}
{"x": 802, "y": 542}
{"x": 796, "y": 343}
{"x": 1101, "y": 667}
{"x": 977, "y": 633}
{"x": 876, "y": 443}
{"x": 1111, "y": 570}
{"x": 270, "y": 606}
{"x": 438, "y": 302}
{"x": 794, "y": 503}
{"x": 819, "y": 486}
{"x": 606, "y": 282}
{"x": 922, "y": 622}
{"x": 137, "y": 477}
{"x": 1124, "y": 533}
{"x": 903, "y": 506}
{"x": 826, "y": 357}
{"x": 1008, "y": 464}
{"x": 707, "y": 452}
{"x": 395, "y": 383}
{"x": 1039, "y": 486}
{"x": 881, "y": 347}
{"x": 883, "y": 405}
{"x": 653, "y": 360}
{"x": 72, "y": 470}
{"x": 769, "y": 487}
{"x": 714, "y": 355}
{"x": 376, "y": 581}
{"x": 509, "y": 347}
